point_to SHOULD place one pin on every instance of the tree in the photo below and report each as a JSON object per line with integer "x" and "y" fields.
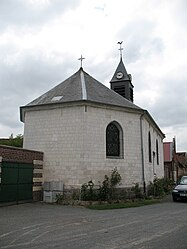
{"x": 13, "y": 141}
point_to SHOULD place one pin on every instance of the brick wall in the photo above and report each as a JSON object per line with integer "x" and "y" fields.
{"x": 15, "y": 154}
{"x": 19, "y": 155}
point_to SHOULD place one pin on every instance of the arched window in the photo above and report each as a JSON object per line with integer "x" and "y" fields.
{"x": 149, "y": 145}
{"x": 114, "y": 140}
{"x": 157, "y": 154}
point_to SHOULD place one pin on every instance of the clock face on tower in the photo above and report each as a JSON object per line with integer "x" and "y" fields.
{"x": 119, "y": 75}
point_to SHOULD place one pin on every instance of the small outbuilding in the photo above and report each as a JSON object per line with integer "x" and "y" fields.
{"x": 21, "y": 175}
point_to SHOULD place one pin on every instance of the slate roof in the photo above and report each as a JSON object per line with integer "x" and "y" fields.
{"x": 120, "y": 68}
{"x": 82, "y": 87}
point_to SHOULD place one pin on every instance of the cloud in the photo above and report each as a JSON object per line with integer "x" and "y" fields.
{"x": 170, "y": 107}
{"x": 141, "y": 40}
{"x": 25, "y": 79}
{"x": 32, "y": 12}
{"x": 41, "y": 40}
{"x": 179, "y": 10}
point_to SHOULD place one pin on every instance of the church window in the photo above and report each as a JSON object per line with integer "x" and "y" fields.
{"x": 149, "y": 145}
{"x": 157, "y": 154}
{"x": 114, "y": 140}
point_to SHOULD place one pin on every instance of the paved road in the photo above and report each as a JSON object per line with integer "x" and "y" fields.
{"x": 40, "y": 226}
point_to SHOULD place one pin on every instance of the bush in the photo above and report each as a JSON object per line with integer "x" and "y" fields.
{"x": 137, "y": 191}
{"x": 88, "y": 193}
{"x": 160, "y": 187}
{"x": 115, "y": 178}
{"x": 168, "y": 185}
{"x": 59, "y": 198}
{"x": 106, "y": 189}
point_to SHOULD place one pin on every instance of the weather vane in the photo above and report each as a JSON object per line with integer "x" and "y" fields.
{"x": 120, "y": 49}
{"x": 81, "y": 59}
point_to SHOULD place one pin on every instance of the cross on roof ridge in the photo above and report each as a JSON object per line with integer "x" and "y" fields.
{"x": 81, "y": 59}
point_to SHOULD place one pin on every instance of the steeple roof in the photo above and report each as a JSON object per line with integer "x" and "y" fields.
{"x": 81, "y": 87}
{"x": 120, "y": 68}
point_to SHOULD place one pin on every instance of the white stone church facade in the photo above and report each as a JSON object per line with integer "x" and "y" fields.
{"x": 86, "y": 129}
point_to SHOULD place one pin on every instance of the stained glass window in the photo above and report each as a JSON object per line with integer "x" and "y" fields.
{"x": 149, "y": 144}
{"x": 112, "y": 140}
{"x": 157, "y": 154}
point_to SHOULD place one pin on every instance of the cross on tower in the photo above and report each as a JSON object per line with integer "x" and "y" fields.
{"x": 81, "y": 59}
{"x": 120, "y": 49}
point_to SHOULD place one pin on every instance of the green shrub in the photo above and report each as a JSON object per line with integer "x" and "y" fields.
{"x": 115, "y": 178}
{"x": 137, "y": 191}
{"x": 88, "y": 193}
{"x": 106, "y": 190}
{"x": 59, "y": 198}
{"x": 159, "y": 187}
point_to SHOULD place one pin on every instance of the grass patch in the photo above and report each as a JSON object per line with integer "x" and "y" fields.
{"x": 123, "y": 205}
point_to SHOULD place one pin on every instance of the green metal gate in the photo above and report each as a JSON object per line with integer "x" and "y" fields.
{"x": 16, "y": 182}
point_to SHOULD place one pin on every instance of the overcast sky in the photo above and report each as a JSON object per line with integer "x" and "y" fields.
{"x": 41, "y": 40}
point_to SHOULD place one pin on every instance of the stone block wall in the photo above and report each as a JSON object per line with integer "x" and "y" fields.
{"x": 74, "y": 143}
{"x": 152, "y": 167}
{"x": 73, "y": 139}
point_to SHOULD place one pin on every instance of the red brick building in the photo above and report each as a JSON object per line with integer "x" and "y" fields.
{"x": 175, "y": 163}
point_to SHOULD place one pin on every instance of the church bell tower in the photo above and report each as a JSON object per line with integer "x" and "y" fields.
{"x": 121, "y": 81}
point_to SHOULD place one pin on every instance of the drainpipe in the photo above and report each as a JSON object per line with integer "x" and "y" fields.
{"x": 142, "y": 152}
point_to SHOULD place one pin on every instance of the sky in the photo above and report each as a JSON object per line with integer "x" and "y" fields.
{"x": 41, "y": 41}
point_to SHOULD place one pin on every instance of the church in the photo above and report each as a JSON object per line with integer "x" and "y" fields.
{"x": 86, "y": 130}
